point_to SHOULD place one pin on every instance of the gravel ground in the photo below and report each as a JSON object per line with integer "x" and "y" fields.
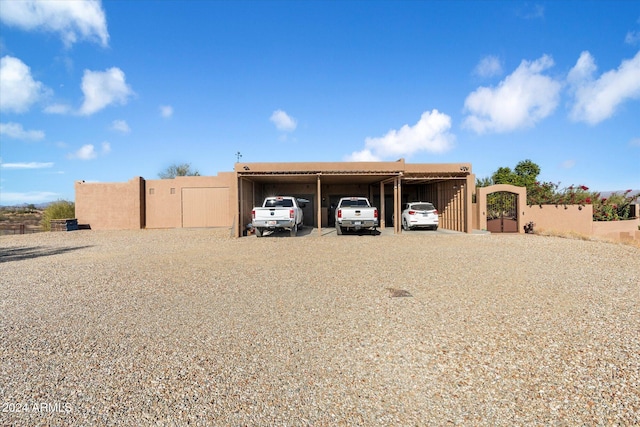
{"x": 191, "y": 327}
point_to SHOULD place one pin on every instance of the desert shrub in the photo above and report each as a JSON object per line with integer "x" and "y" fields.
{"x": 62, "y": 209}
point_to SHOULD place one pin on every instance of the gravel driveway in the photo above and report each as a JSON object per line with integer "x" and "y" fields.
{"x": 177, "y": 327}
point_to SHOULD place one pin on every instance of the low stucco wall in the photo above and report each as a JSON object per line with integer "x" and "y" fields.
{"x": 560, "y": 218}
{"x": 617, "y": 230}
{"x": 111, "y": 206}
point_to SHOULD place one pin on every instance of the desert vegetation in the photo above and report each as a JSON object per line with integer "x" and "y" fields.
{"x": 32, "y": 219}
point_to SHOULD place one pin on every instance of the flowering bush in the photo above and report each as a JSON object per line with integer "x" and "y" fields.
{"x": 542, "y": 193}
{"x": 571, "y": 195}
{"x": 615, "y": 207}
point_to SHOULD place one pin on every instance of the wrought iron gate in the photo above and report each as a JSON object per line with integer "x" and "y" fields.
{"x": 502, "y": 212}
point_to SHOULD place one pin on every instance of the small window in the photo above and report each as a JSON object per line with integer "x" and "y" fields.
{"x": 151, "y": 190}
{"x": 173, "y": 191}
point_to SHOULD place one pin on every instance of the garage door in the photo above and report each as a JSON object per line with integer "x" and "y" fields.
{"x": 205, "y": 207}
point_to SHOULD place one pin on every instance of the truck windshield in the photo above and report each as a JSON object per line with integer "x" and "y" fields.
{"x": 272, "y": 203}
{"x": 354, "y": 203}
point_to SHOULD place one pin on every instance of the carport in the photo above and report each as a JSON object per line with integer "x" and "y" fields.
{"x": 387, "y": 185}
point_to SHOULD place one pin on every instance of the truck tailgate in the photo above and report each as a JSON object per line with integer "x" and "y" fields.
{"x": 278, "y": 213}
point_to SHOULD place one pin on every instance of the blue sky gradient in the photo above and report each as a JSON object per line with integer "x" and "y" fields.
{"x": 105, "y": 91}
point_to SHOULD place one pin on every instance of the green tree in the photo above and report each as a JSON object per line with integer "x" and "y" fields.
{"x": 62, "y": 209}
{"x": 504, "y": 175}
{"x": 527, "y": 173}
{"x": 175, "y": 169}
{"x": 483, "y": 182}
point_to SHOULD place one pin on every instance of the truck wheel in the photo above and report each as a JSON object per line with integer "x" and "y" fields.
{"x": 338, "y": 230}
{"x": 294, "y": 231}
{"x": 258, "y": 232}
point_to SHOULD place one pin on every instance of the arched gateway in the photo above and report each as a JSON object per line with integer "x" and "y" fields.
{"x": 500, "y": 208}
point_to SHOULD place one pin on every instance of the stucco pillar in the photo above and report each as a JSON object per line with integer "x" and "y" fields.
{"x": 240, "y": 199}
{"x": 395, "y": 205}
{"x": 319, "y": 204}
{"x": 382, "y": 207}
{"x": 399, "y": 206}
{"x": 469, "y": 188}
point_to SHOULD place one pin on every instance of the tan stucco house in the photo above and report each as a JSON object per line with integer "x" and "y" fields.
{"x": 226, "y": 200}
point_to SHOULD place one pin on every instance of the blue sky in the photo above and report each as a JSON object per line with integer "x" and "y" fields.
{"x": 106, "y": 91}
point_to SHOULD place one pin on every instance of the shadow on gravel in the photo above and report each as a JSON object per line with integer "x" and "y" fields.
{"x": 362, "y": 233}
{"x": 304, "y": 231}
{"x": 29, "y": 252}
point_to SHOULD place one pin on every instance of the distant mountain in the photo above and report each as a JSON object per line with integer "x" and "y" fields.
{"x": 25, "y": 205}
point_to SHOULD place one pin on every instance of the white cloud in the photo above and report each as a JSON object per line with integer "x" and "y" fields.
{"x": 430, "y": 133}
{"x": 283, "y": 121}
{"x": 632, "y": 37}
{"x": 86, "y": 152}
{"x": 72, "y": 20}
{"x": 89, "y": 152}
{"x": 103, "y": 88}
{"x": 57, "y": 109}
{"x": 166, "y": 111}
{"x": 635, "y": 142}
{"x": 597, "y": 99}
{"x": 18, "y": 88}
{"x": 106, "y": 148}
{"x": 521, "y": 100}
{"x": 531, "y": 11}
{"x": 568, "y": 164}
{"x": 27, "y": 165}
{"x": 362, "y": 156}
{"x": 120, "y": 126}
{"x": 489, "y": 66}
{"x": 16, "y": 131}
{"x": 30, "y": 197}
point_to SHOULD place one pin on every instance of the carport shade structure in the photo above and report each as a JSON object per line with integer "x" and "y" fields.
{"x": 387, "y": 185}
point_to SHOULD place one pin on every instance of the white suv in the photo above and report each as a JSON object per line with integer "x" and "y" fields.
{"x": 419, "y": 214}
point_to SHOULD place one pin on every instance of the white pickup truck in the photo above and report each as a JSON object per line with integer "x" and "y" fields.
{"x": 355, "y": 213}
{"x": 278, "y": 213}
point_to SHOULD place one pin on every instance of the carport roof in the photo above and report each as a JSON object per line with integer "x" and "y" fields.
{"x": 365, "y": 172}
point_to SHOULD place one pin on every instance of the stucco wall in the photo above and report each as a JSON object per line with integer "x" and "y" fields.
{"x": 617, "y": 230}
{"x": 560, "y": 218}
{"x": 111, "y": 206}
{"x": 165, "y": 198}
